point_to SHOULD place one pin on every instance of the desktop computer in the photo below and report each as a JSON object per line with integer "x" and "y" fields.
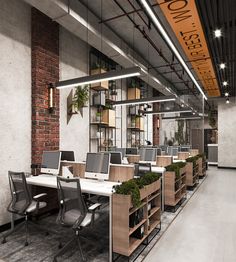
{"x": 68, "y": 155}
{"x": 97, "y": 166}
{"x": 131, "y": 151}
{"x": 51, "y": 162}
{"x": 116, "y": 157}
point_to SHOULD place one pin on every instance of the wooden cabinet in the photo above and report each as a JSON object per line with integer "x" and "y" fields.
{"x": 109, "y": 117}
{"x": 104, "y": 85}
{"x": 183, "y": 155}
{"x": 192, "y": 175}
{"x": 139, "y": 124}
{"x": 163, "y": 161}
{"x": 175, "y": 187}
{"x": 127, "y": 235}
{"x": 133, "y": 93}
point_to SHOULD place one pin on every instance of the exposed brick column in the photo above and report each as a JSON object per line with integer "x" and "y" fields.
{"x": 45, "y": 70}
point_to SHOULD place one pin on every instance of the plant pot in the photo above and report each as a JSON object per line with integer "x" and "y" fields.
{"x": 149, "y": 189}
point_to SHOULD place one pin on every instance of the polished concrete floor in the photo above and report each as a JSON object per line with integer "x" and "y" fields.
{"x": 205, "y": 230}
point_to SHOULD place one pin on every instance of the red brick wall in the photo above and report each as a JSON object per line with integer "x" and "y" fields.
{"x": 45, "y": 70}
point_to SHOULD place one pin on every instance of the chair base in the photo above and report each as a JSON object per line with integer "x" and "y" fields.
{"x": 26, "y": 224}
{"x": 68, "y": 245}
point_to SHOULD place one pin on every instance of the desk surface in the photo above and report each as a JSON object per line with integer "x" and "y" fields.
{"x": 102, "y": 188}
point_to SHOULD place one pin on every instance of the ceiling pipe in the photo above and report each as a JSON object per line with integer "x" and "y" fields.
{"x": 142, "y": 31}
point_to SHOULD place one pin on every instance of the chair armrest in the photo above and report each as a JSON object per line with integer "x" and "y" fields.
{"x": 94, "y": 207}
{"x": 37, "y": 197}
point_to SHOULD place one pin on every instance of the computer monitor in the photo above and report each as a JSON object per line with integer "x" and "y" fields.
{"x": 51, "y": 162}
{"x": 116, "y": 157}
{"x": 184, "y": 148}
{"x": 142, "y": 169}
{"x": 148, "y": 154}
{"x": 68, "y": 155}
{"x": 132, "y": 151}
{"x": 97, "y": 166}
{"x": 122, "y": 151}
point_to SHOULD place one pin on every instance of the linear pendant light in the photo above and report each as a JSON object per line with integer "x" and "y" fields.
{"x": 166, "y": 112}
{"x": 144, "y": 100}
{"x": 111, "y": 75}
{"x": 183, "y": 118}
{"x": 159, "y": 26}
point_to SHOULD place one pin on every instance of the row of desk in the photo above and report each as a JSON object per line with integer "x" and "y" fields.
{"x": 118, "y": 174}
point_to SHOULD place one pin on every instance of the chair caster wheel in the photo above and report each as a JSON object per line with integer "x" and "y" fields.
{"x": 46, "y": 234}
{"x": 26, "y": 244}
{"x": 4, "y": 240}
{"x": 60, "y": 246}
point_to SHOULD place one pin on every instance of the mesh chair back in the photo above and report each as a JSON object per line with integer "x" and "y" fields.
{"x": 72, "y": 206}
{"x": 21, "y": 197}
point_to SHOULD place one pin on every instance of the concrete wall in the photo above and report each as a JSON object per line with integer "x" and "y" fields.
{"x": 226, "y": 134}
{"x": 15, "y": 95}
{"x": 73, "y": 63}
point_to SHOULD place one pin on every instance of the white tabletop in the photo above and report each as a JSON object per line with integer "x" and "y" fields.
{"x": 178, "y": 160}
{"x": 102, "y": 188}
{"x": 158, "y": 169}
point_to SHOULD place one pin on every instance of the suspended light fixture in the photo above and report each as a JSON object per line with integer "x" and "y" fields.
{"x": 111, "y": 75}
{"x": 227, "y": 100}
{"x": 222, "y": 66}
{"x": 225, "y": 83}
{"x": 144, "y": 100}
{"x": 226, "y": 93}
{"x": 183, "y": 117}
{"x": 159, "y": 26}
{"x": 168, "y": 112}
{"x": 218, "y": 33}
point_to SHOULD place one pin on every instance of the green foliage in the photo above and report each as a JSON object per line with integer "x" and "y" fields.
{"x": 130, "y": 188}
{"x": 81, "y": 97}
{"x": 175, "y": 167}
{"x": 133, "y": 186}
{"x": 99, "y": 65}
{"x": 211, "y": 119}
{"x": 193, "y": 159}
{"x": 203, "y": 156}
{"x": 179, "y": 135}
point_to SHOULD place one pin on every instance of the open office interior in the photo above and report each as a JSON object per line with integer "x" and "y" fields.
{"x": 117, "y": 130}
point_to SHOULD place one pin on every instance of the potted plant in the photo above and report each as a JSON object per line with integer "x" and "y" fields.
{"x": 80, "y": 98}
{"x": 98, "y": 116}
{"x": 134, "y": 190}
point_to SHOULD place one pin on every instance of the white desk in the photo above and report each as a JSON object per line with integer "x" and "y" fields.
{"x": 87, "y": 186}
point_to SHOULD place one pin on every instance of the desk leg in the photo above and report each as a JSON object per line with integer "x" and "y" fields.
{"x": 110, "y": 228}
{"x": 163, "y": 191}
{"x": 12, "y": 221}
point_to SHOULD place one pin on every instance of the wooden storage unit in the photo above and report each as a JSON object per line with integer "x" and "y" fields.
{"x": 124, "y": 242}
{"x": 139, "y": 124}
{"x": 201, "y": 167}
{"x": 163, "y": 161}
{"x": 104, "y": 85}
{"x": 133, "y": 158}
{"x": 175, "y": 187}
{"x": 183, "y": 155}
{"x": 194, "y": 152}
{"x": 109, "y": 117}
{"x": 192, "y": 176}
{"x": 133, "y": 93}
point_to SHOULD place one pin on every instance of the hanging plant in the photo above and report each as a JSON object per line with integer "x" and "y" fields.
{"x": 179, "y": 135}
{"x": 80, "y": 97}
{"x": 211, "y": 119}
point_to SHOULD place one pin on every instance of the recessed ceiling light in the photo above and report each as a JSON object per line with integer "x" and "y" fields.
{"x": 226, "y": 93}
{"x": 222, "y": 66}
{"x": 227, "y": 100}
{"x": 218, "y": 33}
{"x": 225, "y": 83}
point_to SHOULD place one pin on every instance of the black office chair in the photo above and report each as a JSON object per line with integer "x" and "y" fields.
{"x": 22, "y": 203}
{"x": 73, "y": 213}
